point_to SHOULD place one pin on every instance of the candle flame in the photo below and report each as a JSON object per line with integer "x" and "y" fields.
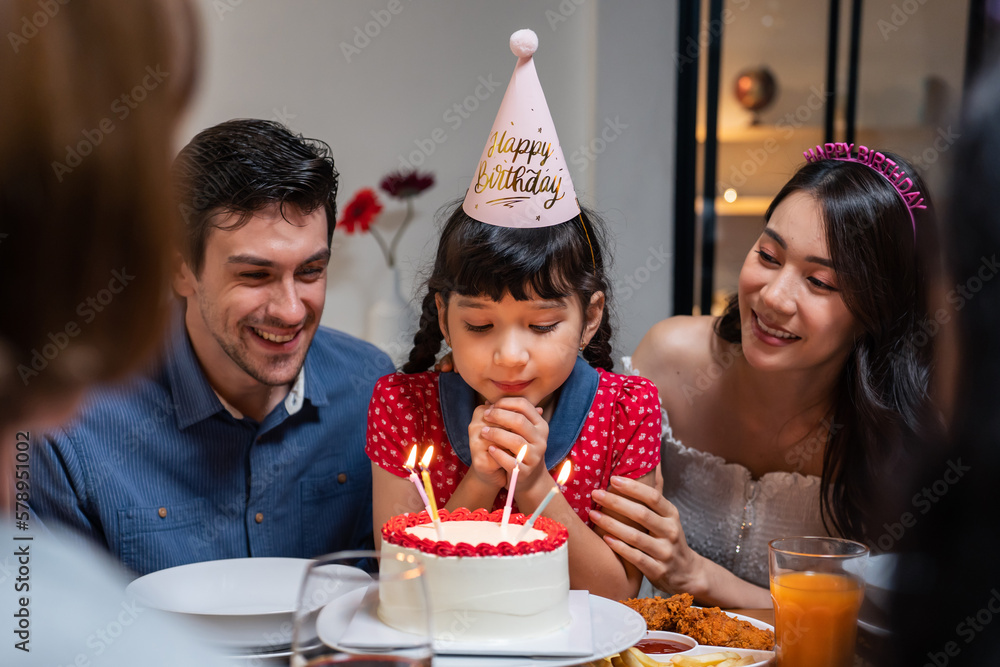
{"x": 411, "y": 460}
{"x": 564, "y": 472}
{"x": 428, "y": 455}
{"x": 520, "y": 454}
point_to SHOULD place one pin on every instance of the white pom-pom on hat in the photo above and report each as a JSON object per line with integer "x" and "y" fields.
{"x": 523, "y": 118}
{"x": 524, "y": 43}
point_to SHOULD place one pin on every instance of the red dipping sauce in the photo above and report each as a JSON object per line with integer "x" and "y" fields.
{"x": 660, "y": 646}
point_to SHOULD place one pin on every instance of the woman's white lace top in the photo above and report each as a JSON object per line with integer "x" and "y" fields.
{"x": 727, "y": 515}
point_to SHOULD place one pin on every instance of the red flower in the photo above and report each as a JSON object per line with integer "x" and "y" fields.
{"x": 360, "y": 211}
{"x": 403, "y": 185}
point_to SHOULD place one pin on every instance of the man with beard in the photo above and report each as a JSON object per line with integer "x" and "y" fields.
{"x": 247, "y": 437}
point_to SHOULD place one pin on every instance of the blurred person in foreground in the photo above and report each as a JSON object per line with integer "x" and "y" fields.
{"x": 86, "y": 201}
{"x": 247, "y": 436}
{"x": 946, "y": 609}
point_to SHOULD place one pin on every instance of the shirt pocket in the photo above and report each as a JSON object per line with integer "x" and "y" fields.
{"x": 337, "y": 511}
{"x": 162, "y": 536}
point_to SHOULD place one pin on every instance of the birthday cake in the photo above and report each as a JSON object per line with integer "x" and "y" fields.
{"x": 484, "y": 581}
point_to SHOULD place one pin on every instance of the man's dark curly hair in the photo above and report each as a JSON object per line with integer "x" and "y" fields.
{"x": 242, "y": 166}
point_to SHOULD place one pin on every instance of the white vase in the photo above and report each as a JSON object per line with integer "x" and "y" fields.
{"x": 391, "y": 321}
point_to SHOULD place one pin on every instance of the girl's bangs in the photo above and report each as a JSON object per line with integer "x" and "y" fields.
{"x": 527, "y": 264}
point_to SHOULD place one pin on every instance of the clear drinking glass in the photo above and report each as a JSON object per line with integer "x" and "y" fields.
{"x": 336, "y": 618}
{"x": 817, "y": 586}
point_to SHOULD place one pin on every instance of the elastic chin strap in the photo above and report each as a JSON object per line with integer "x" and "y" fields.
{"x": 593, "y": 260}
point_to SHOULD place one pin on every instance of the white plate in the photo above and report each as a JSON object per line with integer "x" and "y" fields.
{"x": 277, "y": 657}
{"x": 242, "y": 603}
{"x": 614, "y": 627}
{"x": 763, "y": 657}
{"x": 879, "y": 575}
{"x": 365, "y": 632}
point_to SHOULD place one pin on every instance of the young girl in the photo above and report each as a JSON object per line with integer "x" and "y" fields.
{"x": 516, "y": 306}
{"x": 819, "y": 371}
{"x": 518, "y": 291}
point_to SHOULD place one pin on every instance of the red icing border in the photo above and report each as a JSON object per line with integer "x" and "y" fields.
{"x": 394, "y": 532}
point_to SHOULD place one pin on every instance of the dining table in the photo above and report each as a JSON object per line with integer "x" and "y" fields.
{"x": 765, "y": 615}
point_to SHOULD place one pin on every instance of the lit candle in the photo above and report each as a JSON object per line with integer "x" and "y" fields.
{"x": 425, "y": 462}
{"x": 410, "y": 465}
{"x": 560, "y": 483}
{"x": 510, "y": 488}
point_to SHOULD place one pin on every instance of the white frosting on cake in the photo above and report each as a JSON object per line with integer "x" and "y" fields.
{"x": 479, "y": 598}
{"x": 475, "y": 533}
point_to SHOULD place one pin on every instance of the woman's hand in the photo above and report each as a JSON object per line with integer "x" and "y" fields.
{"x": 662, "y": 555}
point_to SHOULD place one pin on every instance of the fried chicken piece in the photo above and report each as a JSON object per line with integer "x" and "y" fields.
{"x": 711, "y": 626}
{"x": 716, "y": 628}
{"x": 660, "y": 613}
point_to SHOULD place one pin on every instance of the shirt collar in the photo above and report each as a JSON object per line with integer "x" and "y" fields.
{"x": 193, "y": 395}
{"x": 458, "y": 401}
{"x": 309, "y": 382}
{"x": 293, "y": 402}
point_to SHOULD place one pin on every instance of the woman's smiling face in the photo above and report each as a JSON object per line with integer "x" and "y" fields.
{"x": 792, "y": 313}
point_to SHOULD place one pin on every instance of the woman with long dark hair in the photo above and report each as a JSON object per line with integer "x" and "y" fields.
{"x": 782, "y": 416}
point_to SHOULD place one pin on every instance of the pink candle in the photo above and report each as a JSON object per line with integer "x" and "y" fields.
{"x": 513, "y": 483}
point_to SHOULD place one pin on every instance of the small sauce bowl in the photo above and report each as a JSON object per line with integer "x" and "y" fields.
{"x": 660, "y": 645}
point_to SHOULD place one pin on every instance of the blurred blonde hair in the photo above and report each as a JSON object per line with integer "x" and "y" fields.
{"x": 93, "y": 92}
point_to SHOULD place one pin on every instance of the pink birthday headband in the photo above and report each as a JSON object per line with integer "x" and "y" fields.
{"x": 881, "y": 163}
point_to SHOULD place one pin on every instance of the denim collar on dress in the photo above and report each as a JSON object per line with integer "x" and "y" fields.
{"x": 458, "y": 401}
{"x": 193, "y": 396}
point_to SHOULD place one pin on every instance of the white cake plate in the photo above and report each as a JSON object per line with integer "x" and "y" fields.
{"x": 614, "y": 627}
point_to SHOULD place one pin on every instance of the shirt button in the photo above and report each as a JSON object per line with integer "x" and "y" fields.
{"x": 162, "y": 512}
{"x": 259, "y": 518}
{"x": 342, "y": 477}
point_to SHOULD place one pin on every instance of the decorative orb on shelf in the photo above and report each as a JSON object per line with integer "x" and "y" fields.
{"x": 755, "y": 90}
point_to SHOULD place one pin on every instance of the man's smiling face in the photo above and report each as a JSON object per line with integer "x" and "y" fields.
{"x": 255, "y": 307}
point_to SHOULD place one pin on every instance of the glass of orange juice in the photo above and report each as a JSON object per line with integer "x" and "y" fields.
{"x": 817, "y": 585}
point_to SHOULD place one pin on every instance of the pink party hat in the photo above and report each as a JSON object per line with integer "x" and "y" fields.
{"x": 522, "y": 179}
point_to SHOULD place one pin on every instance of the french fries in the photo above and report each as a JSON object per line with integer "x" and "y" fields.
{"x": 633, "y": 657}
{"x": 718, "y": 659}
